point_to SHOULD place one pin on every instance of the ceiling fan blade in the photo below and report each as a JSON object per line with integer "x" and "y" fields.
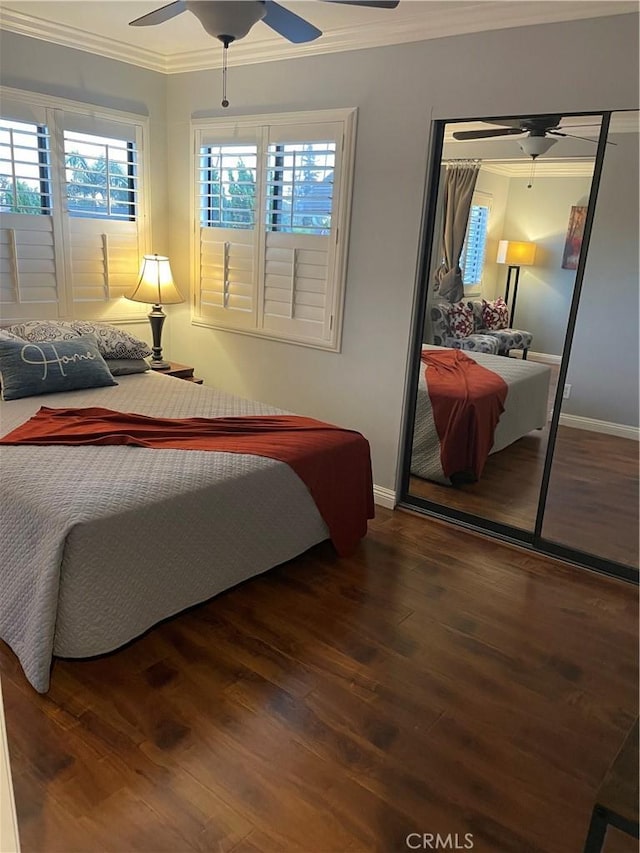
{"x": 289, "y": 25}
{"x": 374, "y": 4}
{"x": 159, "y": 16}
{"x": 573, "y": 136}
{"x": 461, "y": 135}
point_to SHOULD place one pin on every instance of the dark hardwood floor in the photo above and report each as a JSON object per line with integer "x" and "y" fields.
{"x": 435, "y": 682}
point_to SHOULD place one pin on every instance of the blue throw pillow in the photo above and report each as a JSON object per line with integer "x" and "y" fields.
{"x": 27, "y": 369}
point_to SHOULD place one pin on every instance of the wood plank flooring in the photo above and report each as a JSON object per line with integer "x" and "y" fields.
{"x": 435, "y": 682}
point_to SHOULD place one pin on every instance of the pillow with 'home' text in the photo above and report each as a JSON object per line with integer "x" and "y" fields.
{"x": 28, "y": 369}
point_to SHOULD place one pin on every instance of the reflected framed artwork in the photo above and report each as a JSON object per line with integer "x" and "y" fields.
{"x": 573, "y": 241}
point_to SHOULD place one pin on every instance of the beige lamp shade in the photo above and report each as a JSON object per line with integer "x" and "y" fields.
{"x": 515, "y": 253}
{"x": 155, "y": 285}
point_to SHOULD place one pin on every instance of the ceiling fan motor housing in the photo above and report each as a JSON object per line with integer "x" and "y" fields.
{"x": 536, "y": 143}
{"x": 228, "y": 20}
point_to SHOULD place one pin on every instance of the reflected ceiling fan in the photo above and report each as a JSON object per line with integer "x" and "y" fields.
{"x": 231, "y": 20}
{"x": 540, "y": 131}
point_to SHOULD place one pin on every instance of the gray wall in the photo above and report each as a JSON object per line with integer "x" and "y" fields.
{"x": 541, "y": 214}
{"x": 398, "y": 90}
{"x": 603, "y": 369}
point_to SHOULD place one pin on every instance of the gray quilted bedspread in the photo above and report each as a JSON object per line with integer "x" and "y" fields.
{"x": 101, "y": 543}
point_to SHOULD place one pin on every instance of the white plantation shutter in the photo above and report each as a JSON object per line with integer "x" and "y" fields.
{"x": 282, "y": 274}
{"x": 296, "y": 301}
{"x": 227, "y": 276}
{"x": 303, "y": 177}
{"x": 70, "y": 246}
{"x": 30, "y": 265}
{"x": 104, "y": 264}
{"x": 28, "y": 279}
{"x": 226, "y": 256}
{"x": 106, "y": 233}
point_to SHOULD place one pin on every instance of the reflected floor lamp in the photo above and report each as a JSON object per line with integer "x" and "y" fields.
{"x": 155, "y": 286}
{"x": 516, "y": 254}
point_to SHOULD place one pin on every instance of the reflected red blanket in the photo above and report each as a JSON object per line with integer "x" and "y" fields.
{"x": 467, "y": 400}
{"x": 333, "y": 463}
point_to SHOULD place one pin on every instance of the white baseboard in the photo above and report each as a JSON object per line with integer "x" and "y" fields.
{"x": 384, "y": 497}
{"x": 544, "y": 357}
{"x": 607, "y": 427}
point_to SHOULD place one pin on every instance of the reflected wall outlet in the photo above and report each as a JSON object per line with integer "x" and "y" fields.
{"x": 567, "y": 392}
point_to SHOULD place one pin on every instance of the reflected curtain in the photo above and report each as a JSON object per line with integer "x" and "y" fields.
{"x": 459, "y": 184}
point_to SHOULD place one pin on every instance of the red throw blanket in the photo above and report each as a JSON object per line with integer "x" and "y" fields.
{"x": 467, "y": 401}
{"x": 333, "y": 463}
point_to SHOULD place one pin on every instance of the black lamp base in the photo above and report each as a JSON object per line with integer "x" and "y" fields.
{"x": 512, "y": 310}
{"x": 157, "y": 318}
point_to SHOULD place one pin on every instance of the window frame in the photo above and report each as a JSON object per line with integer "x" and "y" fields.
{"x": 240, "y": 129}
{"x": 57, "y": 115}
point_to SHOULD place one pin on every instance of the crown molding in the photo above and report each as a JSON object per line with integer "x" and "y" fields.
{"x": 482, "y": 16}
{"x": 66, "y": 36}
{"x": 576, "y": 168}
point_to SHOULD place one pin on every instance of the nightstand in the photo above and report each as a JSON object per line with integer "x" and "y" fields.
{"x": 180, "y": 371}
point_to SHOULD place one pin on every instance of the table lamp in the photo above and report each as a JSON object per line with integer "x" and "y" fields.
{"x": 154, "y": 287}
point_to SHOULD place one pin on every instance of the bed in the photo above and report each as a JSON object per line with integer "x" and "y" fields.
{"x": 101, "y": 543}
{"x": 525, "y": 409}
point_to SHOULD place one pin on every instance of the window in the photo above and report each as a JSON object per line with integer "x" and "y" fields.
{"x": 72, "y": 214}
{"x": 228, "y": 185}
{"x": 271, "y": 219}
{"x": 300, "y": 187}
{"x": 100, "y": 176}
{"x": 473, "y": 252}
{"x": 24, "y": 168}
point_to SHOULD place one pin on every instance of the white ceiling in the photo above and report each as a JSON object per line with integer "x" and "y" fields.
{"x": 101, "y": 27}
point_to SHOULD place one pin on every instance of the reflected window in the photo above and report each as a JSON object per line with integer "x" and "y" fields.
{"x": 475, "y": 241}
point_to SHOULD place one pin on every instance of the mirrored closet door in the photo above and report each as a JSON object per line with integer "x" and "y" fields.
{"x": 507, "y": 283}
{"x": 592, "y": 498}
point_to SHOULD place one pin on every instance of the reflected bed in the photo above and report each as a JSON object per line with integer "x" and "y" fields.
{"x": 525, "y": 409}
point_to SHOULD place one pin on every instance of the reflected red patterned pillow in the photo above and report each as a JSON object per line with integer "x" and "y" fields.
{"x": 460, "y": 319}
{"x": 495, "y": 315}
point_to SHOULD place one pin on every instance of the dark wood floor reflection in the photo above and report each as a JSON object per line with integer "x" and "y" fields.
{"x": 593, "y": 496}
{"x": 592, "y": 503}
{"x": 435, "y": 682}
{"x": 509, "y": 489}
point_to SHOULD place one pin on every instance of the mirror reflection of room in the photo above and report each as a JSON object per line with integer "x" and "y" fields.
{"x": 511, "y": 203}
{"x": 592, "y": 500}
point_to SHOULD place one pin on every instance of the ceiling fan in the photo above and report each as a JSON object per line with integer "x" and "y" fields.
{"x": 230, "y": 20}
{"x": 540, "y": 131}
